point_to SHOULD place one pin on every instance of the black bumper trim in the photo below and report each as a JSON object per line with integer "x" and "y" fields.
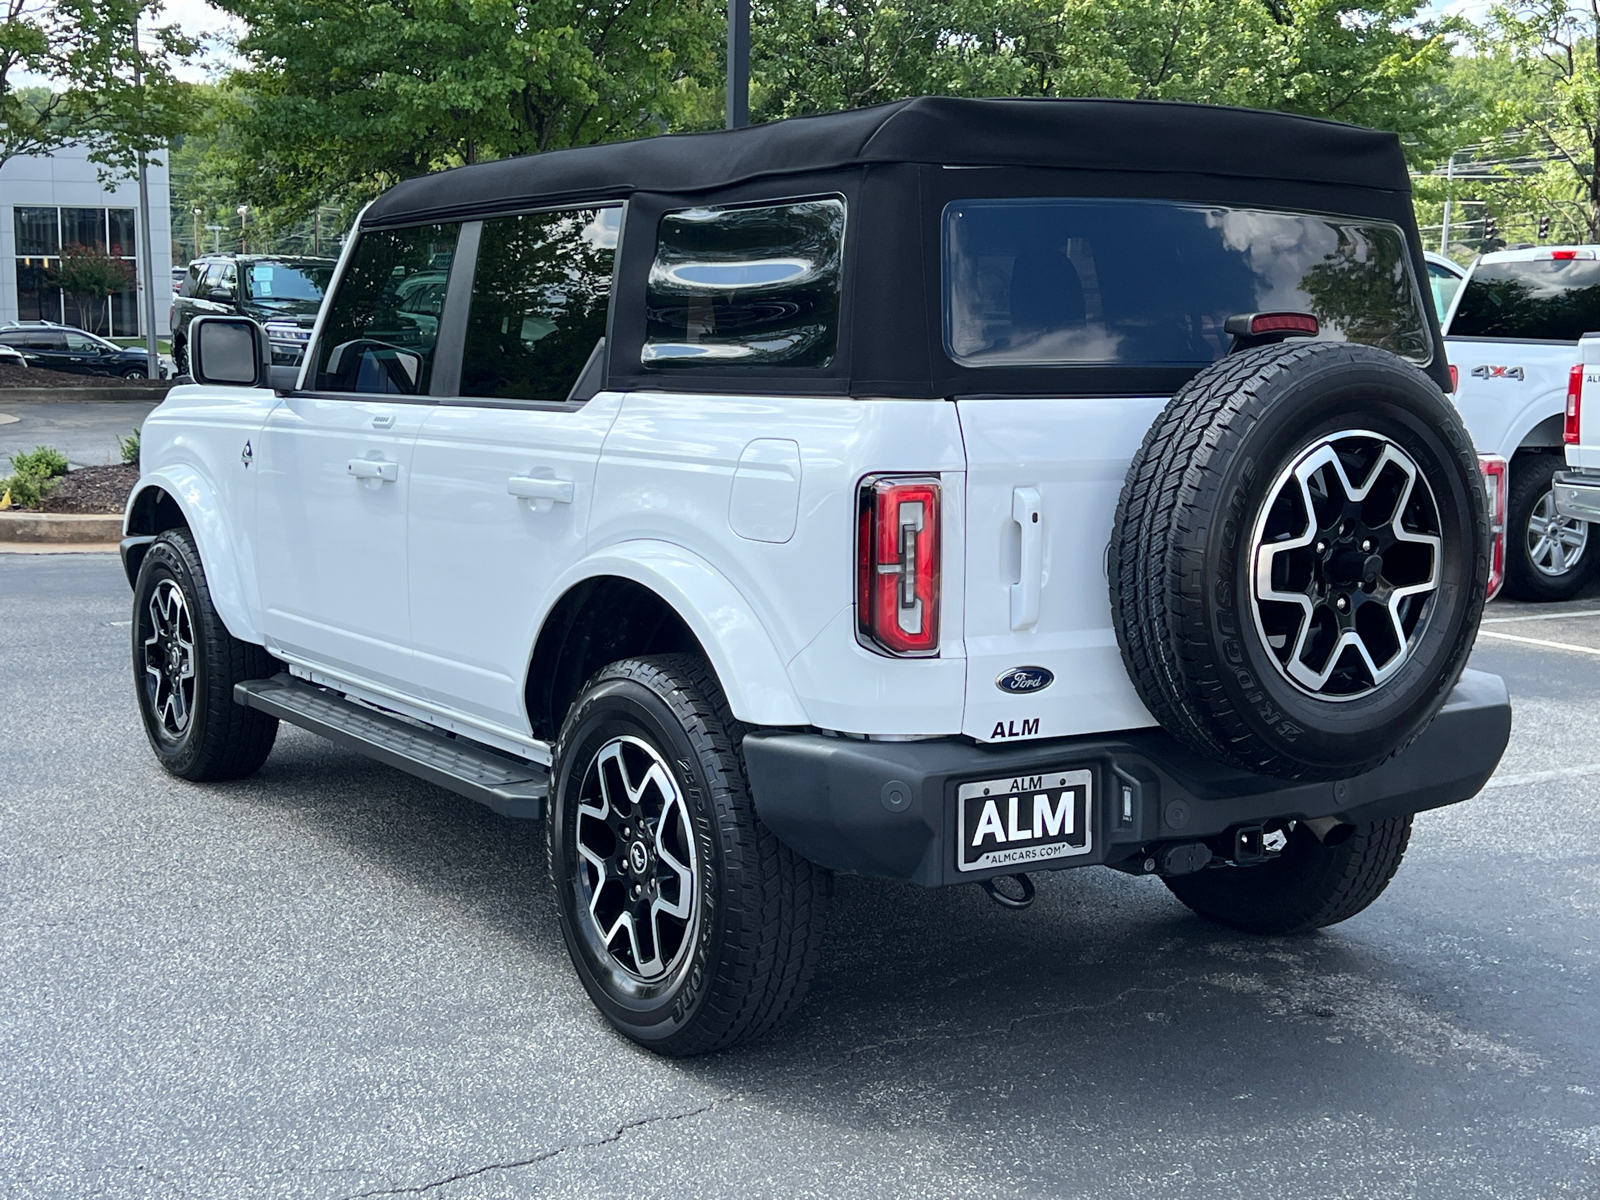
{"x": 888, "y": 808}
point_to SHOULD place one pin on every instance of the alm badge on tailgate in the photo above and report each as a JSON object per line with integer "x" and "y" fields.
{"x": 1023, "y": 820}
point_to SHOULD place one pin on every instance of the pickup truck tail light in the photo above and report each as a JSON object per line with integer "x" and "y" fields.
{"x": 1494, "y": 490}
{"x": 897, "y": 564}
{"x": 1569, "y": 431}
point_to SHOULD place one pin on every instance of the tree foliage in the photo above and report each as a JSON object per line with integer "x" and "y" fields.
{"x": 107, "y": 91}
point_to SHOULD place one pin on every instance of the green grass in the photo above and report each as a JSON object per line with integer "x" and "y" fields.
{"x": 162, "y": 344}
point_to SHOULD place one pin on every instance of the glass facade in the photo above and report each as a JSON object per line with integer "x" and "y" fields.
{"x": 51, "y": 239}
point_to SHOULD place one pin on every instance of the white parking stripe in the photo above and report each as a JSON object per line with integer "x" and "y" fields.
{"x": 1499, "y": 781}
{"x": 1550, "y": 616}
{"x": 1511, "y": 637}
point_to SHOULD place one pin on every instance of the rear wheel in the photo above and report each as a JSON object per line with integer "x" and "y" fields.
{"x": 1551, "y": 556}
{"x": 1308, "y": 885}
{"x": 691, "y": 926}
{"x": 185, "y": 664}
{"x": 136, "y": 373}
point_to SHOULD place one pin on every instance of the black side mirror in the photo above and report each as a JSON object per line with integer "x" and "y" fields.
{"x": 231, "y": 351}
{"x": 220, "y": 293}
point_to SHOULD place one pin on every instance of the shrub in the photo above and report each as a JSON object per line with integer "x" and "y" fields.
{"x": 33, "y": 473}
{"x": 130, "y": 448}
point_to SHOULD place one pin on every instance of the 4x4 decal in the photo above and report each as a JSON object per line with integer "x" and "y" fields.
{"x": 1485, "y": 371}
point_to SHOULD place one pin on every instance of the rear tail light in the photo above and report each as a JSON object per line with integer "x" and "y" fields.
{"x": 1455, "y": 379}
{"x": 1494, "y": 488}
{"x": 1259, "y": 323}
{"x": 897, "y": 564}
{"x": 1569, "y": 431}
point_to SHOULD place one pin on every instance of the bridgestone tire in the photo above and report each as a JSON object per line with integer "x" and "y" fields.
{"x": 218, "y": 739}
{"x": 1532, "y": 477}
{"x": 745, "y": 961}
{"x": 1181, "y": 554}
{"x": 1308, "y": 886}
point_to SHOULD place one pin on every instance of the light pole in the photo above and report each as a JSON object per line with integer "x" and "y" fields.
{"x": 147, "y": 252}
{"x": 216, "y": 237}
{"x": 738, "y": 63}
{"x": 198, "y": 250}
{"x": 1449, "y": 190}
{"x": 244, "y": 220}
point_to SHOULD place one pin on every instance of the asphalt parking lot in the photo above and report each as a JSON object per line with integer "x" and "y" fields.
{"x": 334, "y": 981}
{"x": 86, "y": 431}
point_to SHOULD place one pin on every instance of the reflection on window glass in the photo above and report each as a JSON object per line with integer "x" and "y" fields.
{"x": 1136, "y": 282}
{"x": 84, "y": 227}
{"x": 746, "y": 286}
{"x": 270, "y": 282}
{"x": 1543, "y": 301}
{"x": 37, "y": 231}
{"x": 381, "y": 327}
{"x": 1445, "y": 284}
{"x": 539, "y": 300}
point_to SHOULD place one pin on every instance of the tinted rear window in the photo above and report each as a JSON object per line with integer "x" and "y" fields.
{"x": 1043, "y": 282}
{"x": 1544, "y": 301}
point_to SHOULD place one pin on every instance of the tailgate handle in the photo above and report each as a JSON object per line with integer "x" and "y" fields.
{"x": 1025, "y": 506}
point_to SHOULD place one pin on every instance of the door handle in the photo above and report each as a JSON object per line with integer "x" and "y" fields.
{"x": 525, "y": 487}
{"x": 1025, "y": 506}
{"x": 373, "y": 468}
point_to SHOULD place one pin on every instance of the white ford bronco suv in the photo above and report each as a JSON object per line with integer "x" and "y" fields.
{"x": 941, "y": 491}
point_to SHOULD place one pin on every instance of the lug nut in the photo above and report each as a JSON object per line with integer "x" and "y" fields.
{"x": 1366, "y": 545}
{"x": 1322, "y": 547}
{"x": 1342, "y": 603}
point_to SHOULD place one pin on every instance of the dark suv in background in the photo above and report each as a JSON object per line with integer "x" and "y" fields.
{"x": 280, "y": 291}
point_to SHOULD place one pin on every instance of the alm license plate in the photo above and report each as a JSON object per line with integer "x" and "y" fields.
{"x": 1024, "y": 820}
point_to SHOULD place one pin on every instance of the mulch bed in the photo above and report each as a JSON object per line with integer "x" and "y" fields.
{"x": 91, "y": 490}
{"x": 12, "y": 376}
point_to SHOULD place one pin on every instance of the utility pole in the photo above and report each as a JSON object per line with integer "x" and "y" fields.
{"x": 738, "y": 63}
{"x": 147, "y": 252}
{"x": 1449, "y": 191}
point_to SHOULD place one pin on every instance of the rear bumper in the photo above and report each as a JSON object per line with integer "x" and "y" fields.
{"x": 889, "y": 808}
{"x": 1577, "y": 495}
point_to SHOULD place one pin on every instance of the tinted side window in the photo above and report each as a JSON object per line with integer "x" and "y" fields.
{"x": 539, "y": 300}
{"x": 746, "y": 287}
{"x": 1546, "y": 301}
{"x": 382, "y": 323}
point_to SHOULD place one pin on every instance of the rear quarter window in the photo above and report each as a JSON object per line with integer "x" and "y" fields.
{"x": 1556, "y": 301}
{"x": 1045, "y": 282}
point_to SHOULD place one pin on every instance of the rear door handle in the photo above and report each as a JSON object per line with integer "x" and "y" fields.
{"x": 1025, "y": 506}
{"x": 372, "y": 468}
{"x": 525, "y": 487}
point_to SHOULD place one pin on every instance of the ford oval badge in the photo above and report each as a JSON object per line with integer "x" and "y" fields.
{"x": 1021, "y": 680}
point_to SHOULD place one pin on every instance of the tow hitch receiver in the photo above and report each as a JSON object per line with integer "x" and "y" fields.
{"x": 1249, "y": 844}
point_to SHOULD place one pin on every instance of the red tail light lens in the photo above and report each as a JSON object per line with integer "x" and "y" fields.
{"x": 1494, "y": 489}
{"x": 1455, "y": 380}
{"x": 1569, "y": 432}
{"x": 897, "y": 564}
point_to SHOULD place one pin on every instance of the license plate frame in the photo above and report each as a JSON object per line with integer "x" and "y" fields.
{"x": 990, "y": 811}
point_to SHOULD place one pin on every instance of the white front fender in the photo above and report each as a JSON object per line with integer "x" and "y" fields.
{"x": 743, "y": 655}
{"x": 197, "y": 499}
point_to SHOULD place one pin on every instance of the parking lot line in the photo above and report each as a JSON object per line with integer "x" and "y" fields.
{"x": 1549, "y": 616}
{"x": 1512, "y": 637}
{"x": 1500, "y": 781}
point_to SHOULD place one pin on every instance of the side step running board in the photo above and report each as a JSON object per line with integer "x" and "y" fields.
{"x": 510, "y": 786}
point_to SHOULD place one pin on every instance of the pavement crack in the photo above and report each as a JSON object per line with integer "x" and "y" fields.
{"x": 546, "y": 1155}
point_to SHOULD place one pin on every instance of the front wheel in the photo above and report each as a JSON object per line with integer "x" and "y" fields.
{"x": 136, "y": 373}
{"x": 185, "y": 663}
{"x": 1550, "y": 557}
{"x": 691, "y": 926}
{"x": 1309, "y": 884}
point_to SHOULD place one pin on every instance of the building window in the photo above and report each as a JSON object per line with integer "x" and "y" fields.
{"x": 48, "y": 238}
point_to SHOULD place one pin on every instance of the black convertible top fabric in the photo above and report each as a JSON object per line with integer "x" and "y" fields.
{"x": 1094, "y": 135}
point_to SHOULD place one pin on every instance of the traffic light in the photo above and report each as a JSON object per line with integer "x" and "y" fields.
{"x": 1544, "y": 228}
{"x": 1490, "y": 228}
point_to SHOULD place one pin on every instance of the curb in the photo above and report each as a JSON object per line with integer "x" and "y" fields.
{"x": 149, "y": 394}
{"x": 71, "y": 529}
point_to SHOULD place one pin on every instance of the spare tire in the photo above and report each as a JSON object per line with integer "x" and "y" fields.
{"x": 1300, "y": 559}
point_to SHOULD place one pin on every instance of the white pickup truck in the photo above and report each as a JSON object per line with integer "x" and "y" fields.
{"x": 1512, "y": 337}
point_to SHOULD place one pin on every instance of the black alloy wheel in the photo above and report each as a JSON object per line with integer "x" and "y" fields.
{"x": 690, "y": 925}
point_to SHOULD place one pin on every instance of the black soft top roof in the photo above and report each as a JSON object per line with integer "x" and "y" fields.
{"x": 1109, "y": 135}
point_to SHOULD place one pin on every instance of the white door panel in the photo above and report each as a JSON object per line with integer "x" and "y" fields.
{"x": 331, "y": 534}
{"x": 1043, "y": 478}
{"x": 500, "y": 506}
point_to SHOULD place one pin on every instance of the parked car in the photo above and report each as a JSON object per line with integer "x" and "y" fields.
{"x": 281, "y": 292}
{"x": 1444, "y": 281}
{"x": 179, "y": 274}
{"x": 75, "y": 351}
{"x": 11, "y": 356}
{"x": 845, "y": 509}
{"x": 1512, "y": 337}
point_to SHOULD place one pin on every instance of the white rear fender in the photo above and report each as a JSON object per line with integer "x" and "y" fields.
{"x": 741, "y": 651}
{"x": 196, "y": 498}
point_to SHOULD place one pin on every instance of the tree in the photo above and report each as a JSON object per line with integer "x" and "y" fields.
{"x": 106, "y": 92}
{"x": 88, "y": 274}
{"x": 345, "y": 97}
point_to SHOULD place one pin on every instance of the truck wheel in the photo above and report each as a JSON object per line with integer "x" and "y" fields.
{"x": 1307, "y": 886}
{"x": 689, "y": 923}
{"x": 1549, "y": 556}
{"x": 180, "y": 356}
{"x": 1299, "y": 559}
{"x": 185, "y": 663}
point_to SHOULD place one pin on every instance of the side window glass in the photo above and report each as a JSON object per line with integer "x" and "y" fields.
{"x": 746, "y": 287}
{"x": 213, "y": 277}
{"x": 539, "y": 300}
{"x": 382, "y": 323}
{"x": 79, "y": 344}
